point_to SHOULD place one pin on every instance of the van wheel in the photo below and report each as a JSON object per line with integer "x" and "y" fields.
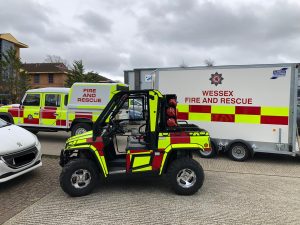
{"x": 80, "y": 128}
{"x": 78, "y": 177}
{"x": 239, "y": 152}
{"x": 209, "y": 154}
{"x": 185, "y": 176}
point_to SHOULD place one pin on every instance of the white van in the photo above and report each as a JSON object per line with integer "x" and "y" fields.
{"x": 20, "y": 151}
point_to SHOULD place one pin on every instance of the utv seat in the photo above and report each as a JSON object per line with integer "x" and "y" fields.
{"x": 133, "y": 143}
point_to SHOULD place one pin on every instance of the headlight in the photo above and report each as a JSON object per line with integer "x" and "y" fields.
{"x": 37, "y": 142}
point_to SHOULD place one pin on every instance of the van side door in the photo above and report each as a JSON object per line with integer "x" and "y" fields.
{"x": 51, "y": 110}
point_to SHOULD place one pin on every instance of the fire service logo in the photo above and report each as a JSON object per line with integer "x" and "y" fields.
{"x": 216, "y": 78}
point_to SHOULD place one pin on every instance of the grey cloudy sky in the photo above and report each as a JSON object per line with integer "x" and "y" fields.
{"x": 114, "y": 35}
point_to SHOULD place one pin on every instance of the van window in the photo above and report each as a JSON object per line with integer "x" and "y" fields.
{"x": 32, "y": 100}
{"x": 66, "y": 99}
{"x": 52, "y": 100}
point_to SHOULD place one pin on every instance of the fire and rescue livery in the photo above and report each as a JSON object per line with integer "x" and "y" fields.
{"x": 246, "y": 109}
{"x": 52, "y": 109}
{"x": 159, "y": 144}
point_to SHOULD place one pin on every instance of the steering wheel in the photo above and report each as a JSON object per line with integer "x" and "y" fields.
{"x": 115, "y": 128}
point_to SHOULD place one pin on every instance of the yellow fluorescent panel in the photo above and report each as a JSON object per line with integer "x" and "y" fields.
{"x": 183, "y": 108}
{"x": 274, "y": 111}
{"x": 140, "y": 161}
{"x": 247, "y": 119}
{"x": 220, "y": 109}
{"x": 163, "y": 142}
{"x": 200, "y": 116}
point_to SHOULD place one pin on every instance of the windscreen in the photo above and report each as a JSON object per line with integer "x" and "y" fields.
{"x": 3, "y": 123}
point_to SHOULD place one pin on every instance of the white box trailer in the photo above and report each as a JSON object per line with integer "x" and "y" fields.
{"x": 246, "y": 109}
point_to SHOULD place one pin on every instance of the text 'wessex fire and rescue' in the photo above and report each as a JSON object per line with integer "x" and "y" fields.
{"x": 221, "y": 97}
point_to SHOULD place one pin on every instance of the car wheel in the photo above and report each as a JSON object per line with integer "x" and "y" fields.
{"x": 239, "y": 152}
{"x": 78, "y": 177}
{"x": 209, "y": 154}
{"x": 80, "y": 128}
{"x": 185, "y": 176}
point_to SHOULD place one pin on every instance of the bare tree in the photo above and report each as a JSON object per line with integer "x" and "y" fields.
{"x": 183, "y": 64}
{"x": 56, "y": 59}
{"x": 209, "y": 62}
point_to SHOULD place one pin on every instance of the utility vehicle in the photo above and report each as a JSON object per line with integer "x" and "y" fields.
{"x": 152, "y": 143}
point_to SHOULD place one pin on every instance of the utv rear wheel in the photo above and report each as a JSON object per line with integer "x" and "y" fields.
{"x": 80, "y": 128}
{"x": 185, "y": 176}
{"x": 78, "y": 177}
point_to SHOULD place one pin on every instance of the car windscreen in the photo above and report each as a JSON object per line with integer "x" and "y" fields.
{"x": 3, "y": 123}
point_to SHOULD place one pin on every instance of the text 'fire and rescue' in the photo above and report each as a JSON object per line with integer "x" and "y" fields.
{"x": 89, "y": 95}
{"x": 221, "y": 97}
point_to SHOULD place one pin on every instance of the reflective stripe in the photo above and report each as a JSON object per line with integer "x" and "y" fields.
{"x": 234, "y": 114}
{"x": 274, "y": 111}
{"x": 163, "y": 141}
{"x": 222, "y": 109}
{"x": 200, "y": 116}
{"x": 101, "y": 160}
{"x": 153, "y": 112}
{"x": 183, "y": 108}
{"x": 141, "y": 160}
{"x": 247, "y": 119}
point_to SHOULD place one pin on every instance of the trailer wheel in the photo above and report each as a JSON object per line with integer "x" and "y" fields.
{"x": 239, "y": 152}
{"x": 80, "y": 128}
{"x": 209, "y": 154}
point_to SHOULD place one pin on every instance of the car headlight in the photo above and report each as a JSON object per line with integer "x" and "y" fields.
{"x": 37, "y": 142}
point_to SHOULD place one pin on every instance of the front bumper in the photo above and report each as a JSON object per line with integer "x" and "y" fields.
{"x": 8, "y": 173}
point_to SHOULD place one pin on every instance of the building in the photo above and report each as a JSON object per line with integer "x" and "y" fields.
{"x": 138, "y": 79}
{"x": 46, "y": 74}
{"x": 7, "y": 41}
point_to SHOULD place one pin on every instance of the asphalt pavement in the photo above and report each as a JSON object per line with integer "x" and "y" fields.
{"x": 263, "y": 190}
{"x": 52, "y": 143}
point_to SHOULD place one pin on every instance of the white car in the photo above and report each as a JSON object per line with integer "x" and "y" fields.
{"x": 20, "y": 151}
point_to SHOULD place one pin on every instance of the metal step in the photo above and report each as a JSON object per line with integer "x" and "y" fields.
{"x": 116, "y": 170}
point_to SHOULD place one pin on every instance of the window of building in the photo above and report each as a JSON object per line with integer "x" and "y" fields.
{"x": 52, "y": 100}
{"x": 32, "y": 100}
{"x": 50, "y": 78}
{"x": 36, "y": 78}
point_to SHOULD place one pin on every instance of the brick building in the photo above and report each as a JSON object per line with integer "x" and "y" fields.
{"x": 7, "y": 41}
{"x": 46, "y": 74}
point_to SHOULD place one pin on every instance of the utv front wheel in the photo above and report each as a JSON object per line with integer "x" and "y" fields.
{"x": 185, "y": 176}
{"x": 78, "y": 177}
